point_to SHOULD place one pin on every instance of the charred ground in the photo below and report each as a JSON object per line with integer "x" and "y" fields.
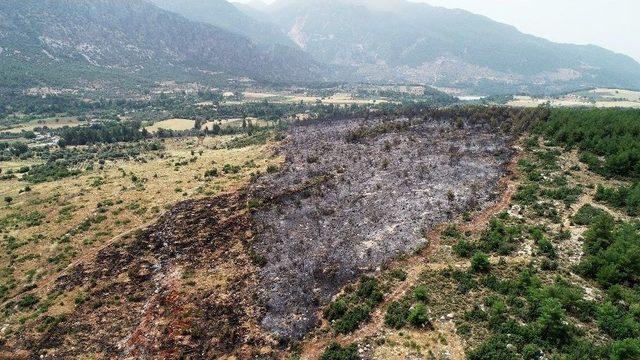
{"x": 364, "y": 192}
{"x": 244, "y": 273}
{"x": 182, "y": 288}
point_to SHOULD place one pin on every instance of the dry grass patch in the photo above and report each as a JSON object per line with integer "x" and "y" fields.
{"x": 172, "y": 124}
{"x": 51, "y": 123}
{"x": 59, "y": 223}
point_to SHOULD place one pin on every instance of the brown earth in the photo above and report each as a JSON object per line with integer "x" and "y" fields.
{"x": 183, "y": 288}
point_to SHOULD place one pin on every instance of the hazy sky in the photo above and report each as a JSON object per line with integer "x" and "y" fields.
{"x": 613, "y": 24}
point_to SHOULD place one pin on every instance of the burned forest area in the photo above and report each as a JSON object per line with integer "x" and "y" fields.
{"x": 248, "y": 272}
{"x": 317, "y": 180}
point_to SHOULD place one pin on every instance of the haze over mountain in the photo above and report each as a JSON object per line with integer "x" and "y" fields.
{"x": 67, "y": 42}
{"x": 398, "y": 40}
{"x": 227, "y": 16}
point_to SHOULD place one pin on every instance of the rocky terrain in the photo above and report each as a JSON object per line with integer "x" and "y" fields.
{"x": 355, "y": 194}
{"x": 407, "y": 41}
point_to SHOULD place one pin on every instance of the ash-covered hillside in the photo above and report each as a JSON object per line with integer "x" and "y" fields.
{"x": 354, "y": 194}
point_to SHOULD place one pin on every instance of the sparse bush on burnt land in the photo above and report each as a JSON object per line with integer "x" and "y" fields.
{"x": 349, "y": 311}
{"x": 336, "y": 351}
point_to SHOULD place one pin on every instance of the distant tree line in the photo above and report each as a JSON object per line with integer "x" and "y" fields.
{"x": 108, "y": 132}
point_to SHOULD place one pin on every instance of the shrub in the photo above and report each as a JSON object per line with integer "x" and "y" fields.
{"x": 569, "y": 195}
{"x": 418, "y": 316}
{"x": 623, "y": 197}
{"x": 495, "y": 348}
{"x": 463, "y": 329}
{"x": 81, "y": 298}
{"x": 335, "y": 310}
{"x": 349, "y": 311}
{"x": 613, "y": 254}
{"x": 608, "y": 133}
{"x": 527, "y": 194}
{"x": 551, "y": 323}
{"x": 27, "y": 302}
{"x": 49, "y": 322}
{"x": 587, "y": 214}
{"x": 231, "y": 169}
{"x": 368, "y": 290}
{"x": 548, "y": 264}
{"x": 49, "y": 172}
{"x": 465, "y": 281}
{"x": 352, "y": 319}
{"x": 452, "y": 231}
{"x": 399, "y": 274}
{"x": 397, "y": 314}
{"x": 337, "y": 352}
{"x": 531, "y": 352}
{"x": 499, "y": 237}
{"x": 421, "y": 293}
{"x": 464, "y": 248}
{"x": 211, "y": 173}
{"x": 545, "y": 247}
{"x": 617, "y": 323}
{"x": 625, "y": 349}
{"x": 476, "y": 314}
{"x": 480, "y": 263}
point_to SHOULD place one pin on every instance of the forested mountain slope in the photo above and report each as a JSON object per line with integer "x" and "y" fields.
{"x": 397, "y": 40}
{"x": 66, "y": 42}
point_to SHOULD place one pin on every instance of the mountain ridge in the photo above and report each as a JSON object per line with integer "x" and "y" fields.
{"x": 416, "y": 42}
{"x": 227, "y": 16}
{"x": 130, "y": 39}
{"x": 66, "y": 43}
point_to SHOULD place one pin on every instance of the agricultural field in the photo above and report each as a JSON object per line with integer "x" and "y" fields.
{"x": 335, "y": 99}
{"x": 51, "y": 123}
{"x": 186, "y": 124}
{"x": 172, "y": 124}
{"x": 598, "y": 98}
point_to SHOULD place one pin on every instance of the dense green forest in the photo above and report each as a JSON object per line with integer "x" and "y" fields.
{"x": 108, "y": 132}
{"x": 609, "y": 139}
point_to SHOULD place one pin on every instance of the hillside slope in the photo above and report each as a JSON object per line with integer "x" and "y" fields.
{"x": 227, "y": 16}
{"x": 403, "y": 41}
{"x": 66, "y": 42}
